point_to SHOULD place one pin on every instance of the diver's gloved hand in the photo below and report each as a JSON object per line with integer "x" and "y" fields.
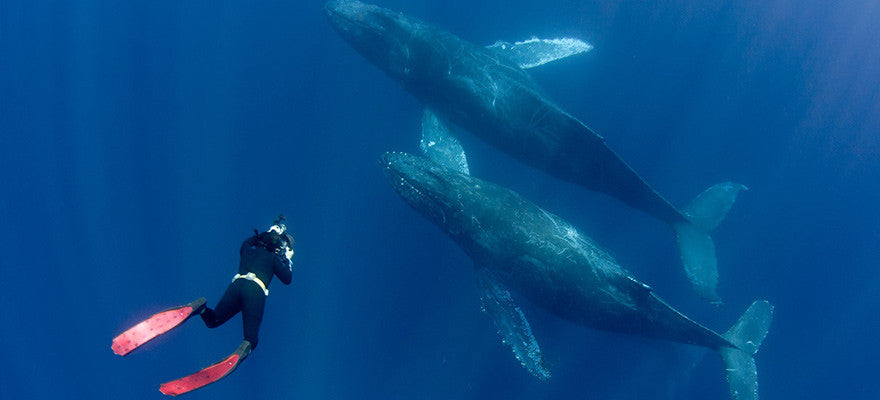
{"x": 284, "y": 252}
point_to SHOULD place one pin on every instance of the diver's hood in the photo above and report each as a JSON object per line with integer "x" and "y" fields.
{"x": 286, "y": 247}
{"x": 278, "y": 228}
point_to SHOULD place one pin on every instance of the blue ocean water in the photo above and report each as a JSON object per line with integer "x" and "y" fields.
{"x": 142, "y": 141}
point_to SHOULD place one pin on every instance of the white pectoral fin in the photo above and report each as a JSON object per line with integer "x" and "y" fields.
{"x": 511, "y": 323}
{"x": 440, "y": 145}
{"x": 534, "y": 52}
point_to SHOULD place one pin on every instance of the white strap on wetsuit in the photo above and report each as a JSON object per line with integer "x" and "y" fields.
{"x": 253, "y": 278}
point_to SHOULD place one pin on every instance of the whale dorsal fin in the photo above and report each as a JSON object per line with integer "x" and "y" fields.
{"x": 511, "y": 323}
{"x": 440, "y": 145}
{"x": 534, "y": 52}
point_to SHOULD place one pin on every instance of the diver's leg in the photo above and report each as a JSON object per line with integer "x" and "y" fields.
{"x": 253, "y": 302}
{"x": 228, "y": 306}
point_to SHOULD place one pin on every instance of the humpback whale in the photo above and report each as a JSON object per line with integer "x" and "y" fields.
{"x": 487, "y": 91}
{"x": 517, "y": 246}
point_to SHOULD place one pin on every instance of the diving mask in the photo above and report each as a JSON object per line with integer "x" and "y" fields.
{"x": 285, "y": 248}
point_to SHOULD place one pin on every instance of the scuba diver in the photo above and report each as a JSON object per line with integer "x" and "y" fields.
{"x": 263, "y": 256}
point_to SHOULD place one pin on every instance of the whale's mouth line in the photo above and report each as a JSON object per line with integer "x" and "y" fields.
{"x": 340, "y": 18}
{"x": 346, "y": 20}
{"x": 407, "y": 188}
{"x": 411, "y": 188}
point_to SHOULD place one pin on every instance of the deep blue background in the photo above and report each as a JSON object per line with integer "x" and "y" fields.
{"x": 141, "y": 141}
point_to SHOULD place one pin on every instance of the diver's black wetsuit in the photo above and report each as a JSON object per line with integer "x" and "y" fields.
{"x": 245, "y": 295}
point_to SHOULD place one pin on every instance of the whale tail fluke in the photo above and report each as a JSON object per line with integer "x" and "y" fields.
{"x": 747, "y": 334}
{"x": 703, "y": 215}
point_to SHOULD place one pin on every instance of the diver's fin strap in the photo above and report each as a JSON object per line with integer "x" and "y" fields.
{"x": 253, "y": 278}
{"x": 208, "y": 375}
{"x": 154, "y": 326}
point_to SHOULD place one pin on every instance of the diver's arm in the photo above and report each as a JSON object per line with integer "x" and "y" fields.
{"x": 247, "y": 244}
{"x": 283, "y": 270}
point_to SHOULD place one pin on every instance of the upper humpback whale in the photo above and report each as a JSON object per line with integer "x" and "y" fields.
{"x": 487, "y": 91}
{"x": 515, "y": 244}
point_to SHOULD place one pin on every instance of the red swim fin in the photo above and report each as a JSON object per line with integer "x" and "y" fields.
{"x": 155, "y": 326}
{"x": 208, "y": 375}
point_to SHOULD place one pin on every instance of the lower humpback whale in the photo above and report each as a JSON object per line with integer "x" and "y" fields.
{"x": 487, "y": 91}
{"x": 517, "y": 245}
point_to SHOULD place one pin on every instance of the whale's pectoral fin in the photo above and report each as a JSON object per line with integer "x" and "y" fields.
{"x": 534, "y": 52}
{"x": 440, "y": 145}
{"x": 511, "y": 323}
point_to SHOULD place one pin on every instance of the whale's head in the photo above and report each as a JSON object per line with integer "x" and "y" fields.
{"x": 439, "y": 193}
{"x": 381, "y": 35}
